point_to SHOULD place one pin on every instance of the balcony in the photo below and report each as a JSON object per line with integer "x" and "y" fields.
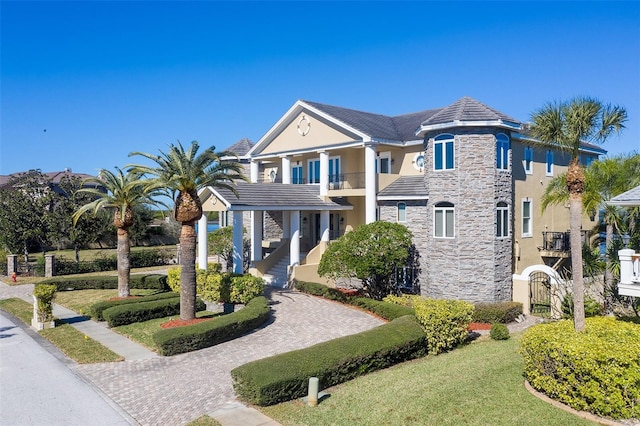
{"x": 555, "y": 242}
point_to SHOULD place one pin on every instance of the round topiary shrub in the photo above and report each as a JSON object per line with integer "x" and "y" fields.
{"x": 499, "y": 332}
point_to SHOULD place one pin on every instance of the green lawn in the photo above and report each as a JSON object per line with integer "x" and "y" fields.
{"x": 80, "y": 301}
{"x": 478, "y": 384}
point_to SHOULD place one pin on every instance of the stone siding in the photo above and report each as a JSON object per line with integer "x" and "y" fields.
{"x": 272, "y": 228}
{"x": 472, "y": 265}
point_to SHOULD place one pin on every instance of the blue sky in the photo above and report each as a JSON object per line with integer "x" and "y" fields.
{"x": 108, "y": 78}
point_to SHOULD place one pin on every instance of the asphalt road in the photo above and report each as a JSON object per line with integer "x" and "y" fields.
{"x": 38, "y": 388}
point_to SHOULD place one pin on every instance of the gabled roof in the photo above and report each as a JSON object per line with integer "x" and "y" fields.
{"x": 405, "y": 188}
{"x": 273, "y": 196}
{"x": 241, "y": 148}
{"x": 631, "y": 198}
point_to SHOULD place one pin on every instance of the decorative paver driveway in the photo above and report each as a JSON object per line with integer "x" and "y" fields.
{"x": 174, "y": 390}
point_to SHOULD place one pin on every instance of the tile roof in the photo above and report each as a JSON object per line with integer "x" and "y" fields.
{"x": 397, "y": 128}
{"x": 405, "y": 187}
{"x": 630, "y": 198}
{"x": 467, "y": 109}
{"x": 272, "y": 196}
{"x": 241, "y": 147}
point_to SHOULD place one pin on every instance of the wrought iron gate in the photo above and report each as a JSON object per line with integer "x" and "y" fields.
{"x": 540, "y": 294}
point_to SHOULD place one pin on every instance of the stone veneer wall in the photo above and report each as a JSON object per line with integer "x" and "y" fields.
{"x": 472, "y": 266}
{"x": 416, "y": 222}
{"x": 272, "y": 227}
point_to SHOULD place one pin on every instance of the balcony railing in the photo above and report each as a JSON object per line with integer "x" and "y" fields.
{"x": 556, "y": 241}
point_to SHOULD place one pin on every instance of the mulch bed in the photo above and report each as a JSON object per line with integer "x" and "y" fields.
{"x": 475, "y": 326}
{"x": 179, "y": 323}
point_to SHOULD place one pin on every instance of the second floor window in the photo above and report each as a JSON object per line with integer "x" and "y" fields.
{"x": 314, "y": 171}
{"x": 502, "y": 220}
{"x": 296, "y": 175}
{"x": 549, "y": 163}
{"x": 502, "y": 151}
{"x": 443, "y": 152}
{"x": 383, "y": 162}
{"x": 527, "y": 224}
{"x": 528, "y": 160}
{"x": 443, "y": 220}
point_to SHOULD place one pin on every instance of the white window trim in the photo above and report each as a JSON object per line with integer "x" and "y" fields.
{"x": 291, "y": 174}
{"x": 398, "y": 212}
{"x": 529, "y": 170}
{"x": 508, "y": 165}
{"x": 549, "y": 170}
{"x": 444, "y": 142}
{"x": 444, "y": 224}
{"x": 501, "y": 209}
{"x": 522, "y": 219}
{"x": 380, "y": 156}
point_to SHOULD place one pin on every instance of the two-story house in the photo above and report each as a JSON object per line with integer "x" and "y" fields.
{"x": 462, "y": 178}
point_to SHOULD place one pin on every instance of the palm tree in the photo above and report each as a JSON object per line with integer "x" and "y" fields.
{"x": 604, "y": 179}
{"x": 564, "y": 126}
{"x": 184, "y": 173}
{"x": 123, "y": 193}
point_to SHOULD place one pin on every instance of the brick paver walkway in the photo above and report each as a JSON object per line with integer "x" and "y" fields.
{"x": 175, "y": 390}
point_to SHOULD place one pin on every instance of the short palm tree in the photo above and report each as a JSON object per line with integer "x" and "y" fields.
{"x": 184, "y": 173}
{"x": 564, "y": 126}
{"x": 124, "y": 191}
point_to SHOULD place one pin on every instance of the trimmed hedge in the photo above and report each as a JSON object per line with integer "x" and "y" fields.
{"x": 144, "y": 311}
{"x": 388, "y": 311}
{"x": 596, "y": 371}
{"x": 172, "y": 341}
{"x": 322, "y": 290}
{"x": 99, "y": 307}
{"x": 284, "y": 377}
{"x": 499, "y": 312}
{"x": 100, "y": 282}
{"x": 445, "y": 322}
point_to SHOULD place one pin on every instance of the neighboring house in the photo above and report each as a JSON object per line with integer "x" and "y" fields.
{"x": 629, "y": 284}
{"x": 54, "y": 178}
{"x": 463, "y": 178}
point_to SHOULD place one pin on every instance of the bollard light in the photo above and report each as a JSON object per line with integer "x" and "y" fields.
{"x": 312, "y": 397}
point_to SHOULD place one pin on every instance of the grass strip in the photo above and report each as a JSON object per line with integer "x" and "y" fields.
{"x": 478, "y": 384}
{"x": 74, "y": 344}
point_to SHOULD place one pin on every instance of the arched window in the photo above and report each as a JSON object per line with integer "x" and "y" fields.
{"x": 402, "y": 212}
{"x": 443, "y": 220}
{"x": 502, "y": 220}
{"x": 443, "y": 152}
{"x": 502, "y": 151}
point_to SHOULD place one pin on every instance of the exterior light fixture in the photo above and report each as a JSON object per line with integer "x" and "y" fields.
{"x": 625, "y": 240}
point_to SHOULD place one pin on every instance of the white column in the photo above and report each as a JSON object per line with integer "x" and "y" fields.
{"x": 237, "y": 242}
{"x": 202, "y": 242}
{"x": 255, "y": 168}
{"x": 286, "y": 225}
{"x": 324, "y": 226}
{"x": 370, "y": 183}
{"x": 294, "y": 244}
{"x": 324, "y": 173}
{"x": 286, "y": 170}
{"x": 256, "y": 236}
{"x": 626, "y": 265}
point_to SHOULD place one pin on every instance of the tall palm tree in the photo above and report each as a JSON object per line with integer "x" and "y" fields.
{"x": 124, "y": 191}
{"x": 564, "y": 126}
{"x": 604, "y": 179}
{"x": 184, "y": 173}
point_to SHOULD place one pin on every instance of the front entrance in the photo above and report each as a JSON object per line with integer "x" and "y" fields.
{"x": 334, "y": 227}
{"x": 540, "y": 294}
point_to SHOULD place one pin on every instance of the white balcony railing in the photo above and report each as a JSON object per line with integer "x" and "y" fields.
{"x": 629, "y": 273}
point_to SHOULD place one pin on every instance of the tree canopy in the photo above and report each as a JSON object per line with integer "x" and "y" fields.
{"x": 371, "y": 253}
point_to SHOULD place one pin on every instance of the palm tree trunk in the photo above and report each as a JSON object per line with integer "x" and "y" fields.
{"x": 608, "y": 274}
{"x": 575, "y": 225}
{"x": 124, "y": 262}
{"x": 188, "y": 271}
